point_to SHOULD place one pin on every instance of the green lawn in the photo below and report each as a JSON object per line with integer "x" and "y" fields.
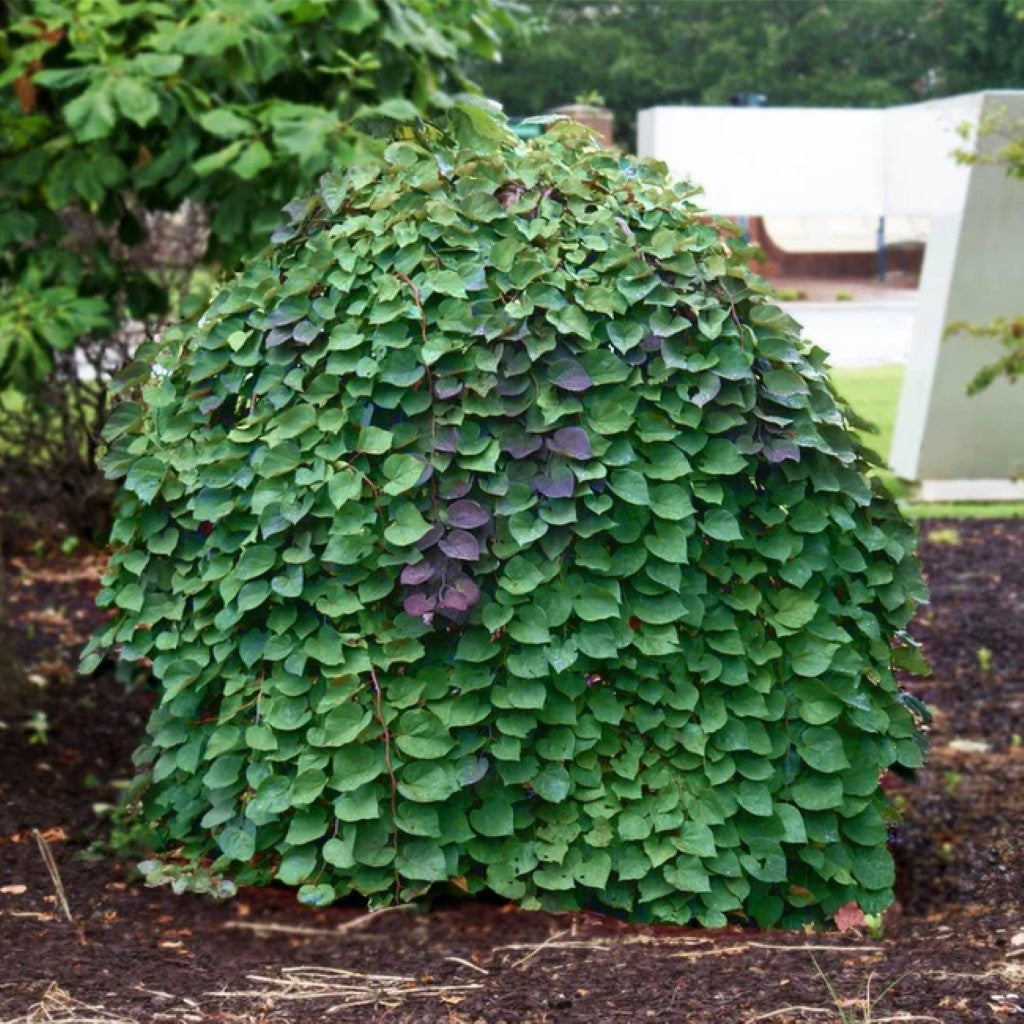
{"x": 874, "y": 393}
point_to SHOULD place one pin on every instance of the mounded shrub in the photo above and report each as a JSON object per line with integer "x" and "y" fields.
{"x": 495, "y": 528}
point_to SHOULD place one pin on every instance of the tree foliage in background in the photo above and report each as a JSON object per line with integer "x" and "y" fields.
{"x": 111, "y": 111}
{"x": 493, "y": 528}
{"x": 641, "y": 53}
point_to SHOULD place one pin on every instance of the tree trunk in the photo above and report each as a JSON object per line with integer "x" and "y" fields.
{"x": 13, "y": 685}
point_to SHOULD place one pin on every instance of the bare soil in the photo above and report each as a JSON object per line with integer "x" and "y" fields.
{"x": 952, "y": 950}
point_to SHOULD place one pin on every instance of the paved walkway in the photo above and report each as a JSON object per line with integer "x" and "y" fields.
{"x": 859, "y": 333}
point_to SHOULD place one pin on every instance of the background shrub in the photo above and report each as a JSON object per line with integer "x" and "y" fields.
{"x": 495, "y": 528}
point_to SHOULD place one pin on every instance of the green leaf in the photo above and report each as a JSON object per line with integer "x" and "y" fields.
{"x": 721, "y": 525}
{"x": 321, "y": 895}
{"x": 595, "y": 870}
{"x": 238, "y": 841}
{"x": 407, "y": 525}
{"x": 136, "y": 100}
{"x": 552, "y": 783}
{"x": 356, "y": 16}
{"x": 130, "y": 597}
{"x": 426, "y": 783}
{"x": 493, "y": 819}
{"x": 145, "y": 478}
{"x": 255, "y": 561}
{"x": 596, "y": 603}
{"x": 822, "y": 748}
{"x": 402, "y": 472}
{"x": 91, "y": 114}
{"x": 297, "y": 865}
{"x": 224, "y": 122}
{"x": 794, "y": 609}
{"x": 422, "y": 861}
{"x": 421, "y": 734}
{"x": 630, "y": 486}
{"x": 814, "y": 792}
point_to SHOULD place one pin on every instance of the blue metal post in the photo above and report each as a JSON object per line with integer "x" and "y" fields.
{"x": 881, "y": 254}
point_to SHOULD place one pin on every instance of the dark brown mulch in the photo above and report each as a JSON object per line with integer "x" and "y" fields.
{"x": 955, "y": 949}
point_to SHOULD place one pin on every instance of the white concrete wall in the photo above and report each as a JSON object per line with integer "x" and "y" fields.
{"x": 919, "y": 172}
{"x": 974, "y": 270}
{"x": 804, "y": 162}
{"x": 771, "y": 160}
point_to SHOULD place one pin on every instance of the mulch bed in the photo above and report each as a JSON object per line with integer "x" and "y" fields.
{"x": 953, "y": 949}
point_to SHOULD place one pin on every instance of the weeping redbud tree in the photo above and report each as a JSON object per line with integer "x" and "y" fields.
{"x": 495, "y": 529}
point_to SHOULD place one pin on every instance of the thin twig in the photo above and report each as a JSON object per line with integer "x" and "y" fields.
{"x": 789, "y": 1009}
{"x": 294, "y": 929}
{"x": 58, "y": 885}
{"x": 779, "y": 948}
{"x": 467, "y": 963}
{"x": 551, "y": 939}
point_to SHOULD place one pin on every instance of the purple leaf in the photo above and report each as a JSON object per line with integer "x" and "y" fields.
{"x": 418, "y": 573}
{"x": 447, "y": 387}
{"x": 419, "y": 605}
{"x": 572, "y": 442}
{"x": 651, "y": 343}
{"x": 509, "y": 193}
{"x": 211, "y": 402}
{"x": 465, "y": 586}
{"x": 460, "y": 544}
{"x": 278, "y": 336}
{"x": 453, "y": 600}
{"x": 453, "y": 487}
{"x": 305, "y": 332}
{"x": 447, "y": 440}
{"x": 520, "y": 447}
{"x": 570, "y": 376}
{"x": 467, "y": 514}
{"x": 781, "y": 450}
{"x": 430, "y": 538}
{"x": 558, "y": 485}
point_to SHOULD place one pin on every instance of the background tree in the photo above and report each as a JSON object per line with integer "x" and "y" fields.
{"x": 640, "y": 53}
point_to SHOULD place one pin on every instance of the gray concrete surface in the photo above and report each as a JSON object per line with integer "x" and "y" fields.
{"x": 873, "y": 333}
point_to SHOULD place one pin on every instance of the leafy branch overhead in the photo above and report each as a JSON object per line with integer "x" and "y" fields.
{"x": 495, "y": 529}
{"x": 111, "y": 111}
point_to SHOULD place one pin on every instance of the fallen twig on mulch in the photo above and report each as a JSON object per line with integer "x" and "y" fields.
{"x": 58, "y": 1007}
{"x": 345, "y": 989}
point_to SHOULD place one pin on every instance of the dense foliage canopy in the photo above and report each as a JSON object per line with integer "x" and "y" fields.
{"x": 495, "y": 529}
{"x": 641, "y": 53}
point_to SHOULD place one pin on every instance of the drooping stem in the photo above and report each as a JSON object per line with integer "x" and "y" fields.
{"x": 386, "y": 733}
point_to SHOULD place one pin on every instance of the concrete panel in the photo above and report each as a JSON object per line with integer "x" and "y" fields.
{"x": 918, "y": 141}
{"x": 771, "y": 160}
{"x": 802, "y": 161}
{"x": 973, "y": 270}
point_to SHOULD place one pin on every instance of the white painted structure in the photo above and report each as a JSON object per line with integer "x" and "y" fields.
{"x": 798, "y": 161}
{"x": 891, "y": 162}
